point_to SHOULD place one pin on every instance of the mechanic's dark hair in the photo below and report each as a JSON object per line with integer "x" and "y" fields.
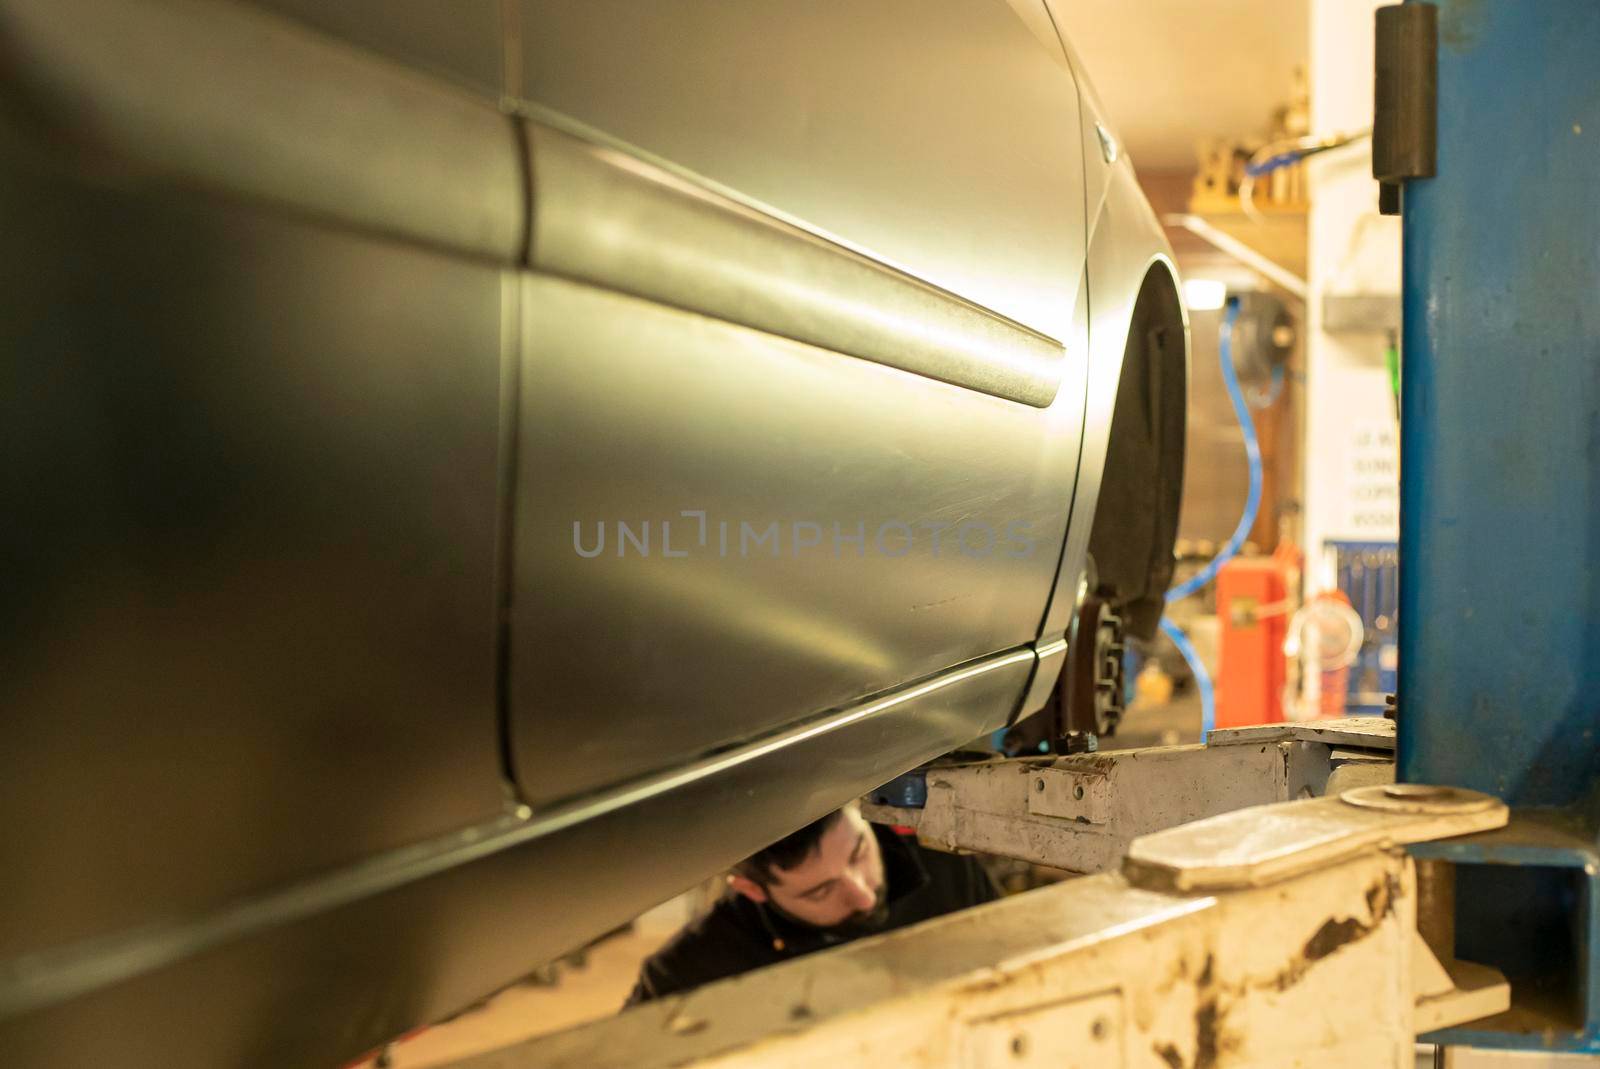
{"x": 787, "y": 852}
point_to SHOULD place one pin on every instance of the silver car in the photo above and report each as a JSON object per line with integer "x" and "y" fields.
{"x": 473, "y": 469}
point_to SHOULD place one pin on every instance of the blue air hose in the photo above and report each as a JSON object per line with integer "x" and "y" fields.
{"x": 1273, "y": 163}
{"x": 1202, "y": 678}
{"x": 1247, "y": 520}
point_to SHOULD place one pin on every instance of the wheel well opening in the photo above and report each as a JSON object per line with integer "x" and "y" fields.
{"x": 1141, "y": 488}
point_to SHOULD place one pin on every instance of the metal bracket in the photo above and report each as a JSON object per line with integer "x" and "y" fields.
{"x": 1405, "y": 99}
{"x": 1083, "y": 796}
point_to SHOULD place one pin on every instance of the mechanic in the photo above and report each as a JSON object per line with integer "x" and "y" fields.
{"x": 837, "y": 879}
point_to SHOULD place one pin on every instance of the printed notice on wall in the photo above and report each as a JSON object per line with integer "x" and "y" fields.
{"x": 1372, "y": 482}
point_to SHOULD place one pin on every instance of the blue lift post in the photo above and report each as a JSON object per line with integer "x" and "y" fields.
{"x": 1500, "y": 499}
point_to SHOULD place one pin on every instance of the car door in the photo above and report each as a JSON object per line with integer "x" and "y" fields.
{"x": 251, "y": 325}
{"x": 803, "y": 364}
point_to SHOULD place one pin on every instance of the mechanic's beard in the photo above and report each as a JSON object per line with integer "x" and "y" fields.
{"x": 867, "y": 920}
{"x": 862, "y": 922}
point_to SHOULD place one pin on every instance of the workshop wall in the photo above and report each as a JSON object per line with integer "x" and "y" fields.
{"x": 1352, "y": 440}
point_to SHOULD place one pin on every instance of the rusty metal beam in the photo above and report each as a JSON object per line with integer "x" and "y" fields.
{"x": 1080, "y": 812}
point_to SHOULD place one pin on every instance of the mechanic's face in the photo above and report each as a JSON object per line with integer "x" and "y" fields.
{"x": 842, "y": 883}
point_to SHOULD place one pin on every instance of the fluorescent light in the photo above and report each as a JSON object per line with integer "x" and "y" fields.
{"x": 1204, "y": 294}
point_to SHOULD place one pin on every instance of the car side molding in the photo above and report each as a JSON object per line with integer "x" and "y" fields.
{"x": 605, "y": 216}
{"x": 353, "y": 137}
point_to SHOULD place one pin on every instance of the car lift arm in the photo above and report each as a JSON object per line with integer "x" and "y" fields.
{"x": 1275, "y": 935}
{"x": 1080, "y": 812}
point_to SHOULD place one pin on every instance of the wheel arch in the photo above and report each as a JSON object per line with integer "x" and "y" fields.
{"x": 1140, "y": 489}
{"x": 1130, "y": 477}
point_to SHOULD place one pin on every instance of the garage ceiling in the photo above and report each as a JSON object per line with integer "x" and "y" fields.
{"x": 1172, "y": 72}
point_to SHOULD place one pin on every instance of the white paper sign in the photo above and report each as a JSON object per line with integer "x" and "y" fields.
{"x": 1371, "y": 500}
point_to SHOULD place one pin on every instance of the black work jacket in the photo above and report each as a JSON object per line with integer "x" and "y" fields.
{"x": 737, "y": 935}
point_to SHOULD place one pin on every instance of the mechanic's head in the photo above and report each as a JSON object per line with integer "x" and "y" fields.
{"x": 827, "y": 874}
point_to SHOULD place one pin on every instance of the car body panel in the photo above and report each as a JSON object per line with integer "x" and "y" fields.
{"x": 934, "y": 512}
{"x": 968, "y": 183}
{"x": 462, "y": 41}
{"x": 317, "y": 717}
{"x": 316, "y": 975}
{"x": 767, "y": 114}
{"x": 251, "y": 522}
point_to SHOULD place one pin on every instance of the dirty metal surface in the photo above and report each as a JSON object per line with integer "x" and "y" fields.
{"x": 893, "y": 998}
{"x": 1347, "y": 771}
{"x": 1257, "y": 847}
{"x": 1475, "y": 991}
{"x": 1080, "y": 812}
{"x": 1534, "y": 840}
{"x": 1317, "y": 971}
{"x": 1370, "y": 732}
